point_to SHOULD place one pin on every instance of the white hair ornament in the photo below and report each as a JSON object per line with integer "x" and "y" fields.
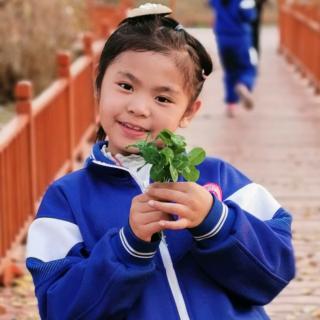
{"x": 149, "y": 9}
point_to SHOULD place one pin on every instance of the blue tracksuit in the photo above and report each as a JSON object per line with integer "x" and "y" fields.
{"x": 234, "y": 38}
{"x": 87, "y": 263}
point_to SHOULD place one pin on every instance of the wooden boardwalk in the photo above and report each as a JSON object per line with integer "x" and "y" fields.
{"x": 277, "y": 145}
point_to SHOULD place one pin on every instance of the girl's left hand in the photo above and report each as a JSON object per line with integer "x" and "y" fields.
{"x": 188, "y": 200}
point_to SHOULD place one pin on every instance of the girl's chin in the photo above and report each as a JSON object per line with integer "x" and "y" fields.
{"x": 130, "y": 150}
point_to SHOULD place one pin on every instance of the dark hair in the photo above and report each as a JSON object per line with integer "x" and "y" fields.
{"x": 162, "y": 35}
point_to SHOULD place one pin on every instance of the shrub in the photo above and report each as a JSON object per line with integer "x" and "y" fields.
{"x": 31, "y": 31}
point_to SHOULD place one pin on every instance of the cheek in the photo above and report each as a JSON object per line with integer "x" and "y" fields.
{"x": 172, "y": 117}
{"x": 106, "y": 106}
{"x": 102, "y": 112}
{"x": 170, "y": 121}
{"x": 105, "y": 115}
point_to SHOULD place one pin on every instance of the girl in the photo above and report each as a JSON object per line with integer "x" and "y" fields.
{"x": 233, "y": 31}
{"x": 94, "y": 249}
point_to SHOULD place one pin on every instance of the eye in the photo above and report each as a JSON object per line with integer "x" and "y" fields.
{"x": 162, "y": 99}
{"x": 125, "y": 86}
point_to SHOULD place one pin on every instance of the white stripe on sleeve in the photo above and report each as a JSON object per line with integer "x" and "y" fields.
{"x": 253, "y": 55}
{"x": 51, "y": 239}
{"x": 133, "y": 252}
{"x": 256, "y": 200}
{"x": 217, "y": 227}
{"x": 247, "y": 4}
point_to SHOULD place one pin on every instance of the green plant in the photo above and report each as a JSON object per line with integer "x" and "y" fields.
{"x": 168, "y": 156}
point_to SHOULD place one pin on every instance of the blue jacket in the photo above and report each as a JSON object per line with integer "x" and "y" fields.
{"x": 235, "y": 18}
{"x": 86, "y": 262}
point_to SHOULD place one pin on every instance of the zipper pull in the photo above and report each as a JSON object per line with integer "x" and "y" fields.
{"x": 163, "y": 238}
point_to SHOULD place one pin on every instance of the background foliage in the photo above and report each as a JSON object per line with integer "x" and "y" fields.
{"x": 31, "y": 31}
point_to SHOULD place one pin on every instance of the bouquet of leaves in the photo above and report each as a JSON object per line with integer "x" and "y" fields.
{"x": 170, "y": 159}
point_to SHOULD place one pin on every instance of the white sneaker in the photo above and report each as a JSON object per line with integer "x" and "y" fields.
{"x": 245, "y": 96}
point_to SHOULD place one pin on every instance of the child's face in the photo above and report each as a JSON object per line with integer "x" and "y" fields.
{"x": 142, "y": 93}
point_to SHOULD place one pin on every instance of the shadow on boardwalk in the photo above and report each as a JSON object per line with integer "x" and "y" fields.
{"x": 276, "y": 145}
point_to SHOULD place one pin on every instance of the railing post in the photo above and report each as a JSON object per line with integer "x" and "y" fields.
{"x": 172, "y": 5}
{"x": 64, "y": 71}
{"x": 127, "y": 3}
{"x": 87, "y": 43}
{"x": 23, "y": 96}
{"x": 2, "y": 205}
{"x": 105, "y": 28}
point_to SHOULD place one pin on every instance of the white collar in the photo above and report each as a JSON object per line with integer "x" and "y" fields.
{"x": 133, "y": 163}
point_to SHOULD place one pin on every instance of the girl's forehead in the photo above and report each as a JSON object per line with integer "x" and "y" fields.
{"x": 148, "y": 66}
{"x": 145, "y": 58}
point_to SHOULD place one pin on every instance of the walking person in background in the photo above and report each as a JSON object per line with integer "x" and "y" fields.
{"x": 233, "y": 30}
{"x": 104, "y": 244}
{"x": 256, "y": 23}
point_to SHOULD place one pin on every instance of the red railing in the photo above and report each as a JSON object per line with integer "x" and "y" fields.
{"x": 106, "y": 17}
{"x": 300, "y": 37}
{"x": 47, "y": 135}
{"x": 43, "y": 141}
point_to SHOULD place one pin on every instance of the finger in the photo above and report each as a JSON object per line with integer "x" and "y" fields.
{"x": 143, "y": 197}
{"x": 145, "y": 232}
{"x": 152, "y": 216}
{"x": 179, "y": 186}
{"x": 169, "y": 207}
{"x": 154, "y": 227}
{"x": 175, "y": 225}
{"x": 168, "y": 195}
{"x": 143, "y": 207}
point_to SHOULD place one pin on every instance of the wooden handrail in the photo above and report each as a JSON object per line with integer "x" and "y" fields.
{"x": 300, "y": 38}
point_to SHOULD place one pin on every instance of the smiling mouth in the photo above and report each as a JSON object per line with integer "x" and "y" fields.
{"x": 132, "y": 127}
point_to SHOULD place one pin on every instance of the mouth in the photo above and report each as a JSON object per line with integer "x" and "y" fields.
{"x": 132, "y": 126}
{"x": 133, "y": 131}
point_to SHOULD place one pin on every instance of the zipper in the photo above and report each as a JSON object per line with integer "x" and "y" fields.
{"x": 142, "y": 187}
{"x": 172, "y": 279}
{"x": 165, "y": 256}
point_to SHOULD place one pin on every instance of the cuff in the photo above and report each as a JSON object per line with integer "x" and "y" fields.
{"x": 214, "y": 224}
{"x": 134, "y": 250}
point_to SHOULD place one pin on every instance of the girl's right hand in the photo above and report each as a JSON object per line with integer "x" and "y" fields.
{"x": 145, "y": 220}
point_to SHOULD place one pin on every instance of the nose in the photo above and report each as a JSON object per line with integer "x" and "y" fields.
{"x": 139, "y": 106}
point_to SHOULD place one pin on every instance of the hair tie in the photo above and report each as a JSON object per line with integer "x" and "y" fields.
{"x": 149, "y": 9}
{"x": 179, "y": 27}
{"x": 204, "y": 76}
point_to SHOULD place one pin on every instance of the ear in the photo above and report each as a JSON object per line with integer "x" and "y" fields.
{"x": 190, "y": 113}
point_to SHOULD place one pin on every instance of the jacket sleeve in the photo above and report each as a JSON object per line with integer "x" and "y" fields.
{"x": 244, "y": 244}
{"x": 72, "y": 282}
{"x": 247, "y": 10}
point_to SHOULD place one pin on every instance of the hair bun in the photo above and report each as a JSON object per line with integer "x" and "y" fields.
{"x": 149, "y": 9}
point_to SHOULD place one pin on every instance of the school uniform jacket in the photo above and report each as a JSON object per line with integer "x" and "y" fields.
{"x": 235, "y": 18}
{"x": 86, "y": 262}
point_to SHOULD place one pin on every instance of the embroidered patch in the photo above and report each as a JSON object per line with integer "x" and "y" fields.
{"x": 214, "y": 189}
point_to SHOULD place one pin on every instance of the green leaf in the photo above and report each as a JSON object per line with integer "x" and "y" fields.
{"x": 151, "y": 154}
{"x": 191, "y": 173}
{"x": 196, "y": 156}
{"x": 170, "y": 160}
{"x": 174, "y": 173}
{"x": 180, "y": 161}
{"x": 156, "y": 173}
{"x": 178, "y": 141}
{"x": 167, "y": 153}
{"x": 166, "y": 175}
{"x": 165, "y": 135}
